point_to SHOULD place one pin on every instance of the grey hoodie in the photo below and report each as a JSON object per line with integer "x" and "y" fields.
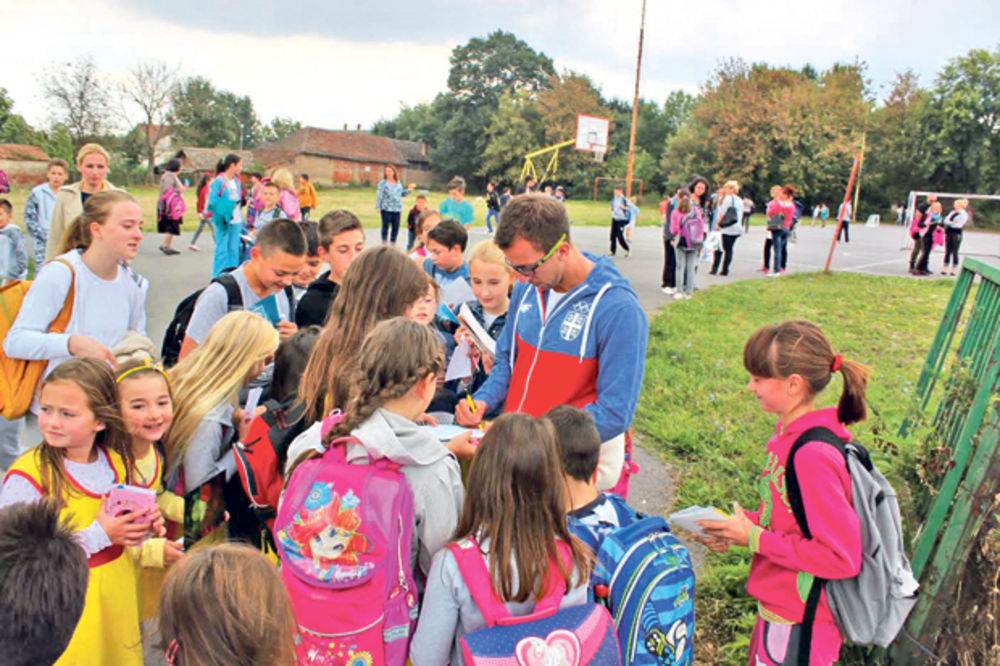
{"x": 429, "y": 468}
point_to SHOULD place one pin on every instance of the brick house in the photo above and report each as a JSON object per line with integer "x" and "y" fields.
{"x": 24, "y": 164}
{"x": 342, "y": 157}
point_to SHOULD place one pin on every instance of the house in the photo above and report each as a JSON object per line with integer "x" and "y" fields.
{"x": 343, "y": 157}
{"x": 198, "y": 160}
{"x": 24, "y": 164}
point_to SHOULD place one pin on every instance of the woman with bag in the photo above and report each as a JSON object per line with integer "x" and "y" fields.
{"x": 166, "y": 222}
{"x": 729, "y": 224}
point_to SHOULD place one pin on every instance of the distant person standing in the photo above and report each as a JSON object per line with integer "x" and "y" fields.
{"x": 39, "y": 206}
{"x": 619, "y": 220}
{"x": 455, "y": 207}
{"x": 224, "y": 195}
{"x": 953, "y": 224}
{"x": 288, "y": 200}
{"x": 389, "y": 203}
{"x": 307, "y": 196}
{"x": 505, "y": 197}
{"x": 668, "y": 280}
{"x": 166, "y": 223}
{"x": 529, "y": 186}
{"x": 492, "y": 205}
{"x": 92, "y": 161}
{"x": 844, "y": 221}
{"x": 729, "y": 224}
{"x": 824, "y": 214}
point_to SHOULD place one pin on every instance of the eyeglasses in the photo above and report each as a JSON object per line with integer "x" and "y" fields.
{"x": 528, "y": 270}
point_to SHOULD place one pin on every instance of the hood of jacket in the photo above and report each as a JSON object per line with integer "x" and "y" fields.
{"x": 388, "y": 435}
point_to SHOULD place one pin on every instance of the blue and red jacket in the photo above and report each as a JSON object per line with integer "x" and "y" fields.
{"x": 588, "y": 351}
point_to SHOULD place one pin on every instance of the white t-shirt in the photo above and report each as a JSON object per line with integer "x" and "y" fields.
{"x": 213, "y": 305}
{"x": 102, "y": 309}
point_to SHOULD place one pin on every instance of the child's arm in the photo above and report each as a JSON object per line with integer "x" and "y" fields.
{"x": 439, "y": 614}
{"x": 834, "y": 551}
{"x": 19, "y": 257}
{"x": 31, "y": 221}
{"x": 171, "y": 505}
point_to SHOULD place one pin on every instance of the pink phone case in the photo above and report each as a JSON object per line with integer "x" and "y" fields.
{"x": 125, "y": 499}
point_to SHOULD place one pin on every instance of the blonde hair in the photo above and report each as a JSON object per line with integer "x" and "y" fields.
{"x": 90, "y": 149}
{"x": 226, "y": 604}
{"x": 97, "y": 209}
{"x": 731, "y": 185}
{"x": 488, "y": 251}
{"x": 214, "y": 373}
{"x": 283, "y": 179}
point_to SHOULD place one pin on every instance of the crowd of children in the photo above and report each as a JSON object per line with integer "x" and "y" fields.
{"x": 305, "y": 414}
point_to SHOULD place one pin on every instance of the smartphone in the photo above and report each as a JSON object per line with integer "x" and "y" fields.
{"x": 127, "y": 499}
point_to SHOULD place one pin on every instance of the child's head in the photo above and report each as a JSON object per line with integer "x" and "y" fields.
{"x": 413, "y": 365}
{"x": 144, "y": 397}
{"x": 515, "y": 498}
{"x": 420, "y": 202}
{"x": 427, "y": 220}
{"x": 269, "y": 194}
{"x": 578, "y": 441}
{"x": 92, "y": 161}
{"x": 961, "y": 204}
{"x": 78, "y": 409}
{"x": 290, "y": 362}
{"x": 775, "y": 191}
{"x": 490, "y": 276}
{"x": 341, "y": 240}
{"x": 490, "y": 186}
{"x": 255, "y": 178}
{"x": 618, "y": 190}
{"x": 446, "y": 244}
{"x": 56, "y": 173}
{"x": 282, "y": 177}
{"x": 236, "y": 350}
{"x": 6, "y": 212}
{"x": 225, "y": 605}
{"x": 112, "y": 220}
{"x": 43, "y": 583}
{"x": 303, "y": 179}
{"x": 791, "y": 362}
{"x": 310, "y": 269}
{"x": 456, "y": 188}
{"x": 279, "y": 253}
{"x": 506, "y": 190}
{"x": 547, "y": 190}
{"x": 788, "y": 191}
{"x": 381, "y": 283}
{"x": 424, "y": 308}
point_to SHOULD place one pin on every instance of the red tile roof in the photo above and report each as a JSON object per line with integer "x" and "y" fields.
{"x": 356, "y": 146}
{"x": 22, "y": 152}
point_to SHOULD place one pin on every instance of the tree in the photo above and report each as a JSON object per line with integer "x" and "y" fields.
{"x": 413, "y": 123}
{"x": 279, "y": 128}
{"x": 484, "y": 69}
{"x": 204, "y": 116}
{"x": 515, "y": 129}
{"x": 13, "y": 128}
{"x": 150, "y": 88}
{"x": 79, "y": 98}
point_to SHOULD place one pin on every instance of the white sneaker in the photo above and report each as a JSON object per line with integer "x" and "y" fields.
{"x": 679, "y": 295}
{"x": 774, "y": 275}
{"x": 669, "y": 290}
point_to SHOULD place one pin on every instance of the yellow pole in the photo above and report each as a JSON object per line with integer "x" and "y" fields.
{"x": 635, "y": 106}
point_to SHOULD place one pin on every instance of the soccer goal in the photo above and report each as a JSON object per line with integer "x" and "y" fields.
{"x": 911, "y": 207}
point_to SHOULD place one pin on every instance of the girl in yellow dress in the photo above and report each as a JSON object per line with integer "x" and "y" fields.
{"x": 147, "y": 411}
{"x": 85, "y": 452}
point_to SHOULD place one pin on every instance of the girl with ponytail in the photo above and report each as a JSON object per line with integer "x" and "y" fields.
{"x": 789, "y": 364}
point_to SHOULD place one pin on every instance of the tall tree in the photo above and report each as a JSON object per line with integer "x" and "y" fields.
{"x": 205, "y": 116}
{"x": 515, "y": 129}
{"x": 279, "y": 128}
{"x": 79, "y": 98}
{"x": 149, "y": 89}
{"x": 13, "y": 128}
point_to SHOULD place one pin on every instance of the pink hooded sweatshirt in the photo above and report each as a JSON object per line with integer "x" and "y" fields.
{"x": 785, "y": 562}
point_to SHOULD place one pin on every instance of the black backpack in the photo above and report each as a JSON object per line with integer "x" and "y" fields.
{"x": 173, "y": 338}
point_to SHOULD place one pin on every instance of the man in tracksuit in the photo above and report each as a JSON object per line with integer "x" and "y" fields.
{"x": 575, "y": 333}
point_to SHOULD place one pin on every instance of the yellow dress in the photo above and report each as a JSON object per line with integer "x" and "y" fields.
{"x": 108, "y": 631}
{"x": 150, "y": 554}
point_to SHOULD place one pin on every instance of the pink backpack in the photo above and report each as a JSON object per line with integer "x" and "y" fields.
{"x": 572, "y": 636}
{"x": 171, "y": 205}
{"x": 344, "y": 535}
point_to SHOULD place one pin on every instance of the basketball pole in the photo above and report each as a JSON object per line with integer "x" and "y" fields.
{"x": 635, "y": 106}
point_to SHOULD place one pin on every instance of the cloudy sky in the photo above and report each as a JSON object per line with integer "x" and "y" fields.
{"x": 330, "y": 62}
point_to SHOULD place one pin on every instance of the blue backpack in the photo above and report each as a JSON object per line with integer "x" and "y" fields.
{"x": 644, "y": 576}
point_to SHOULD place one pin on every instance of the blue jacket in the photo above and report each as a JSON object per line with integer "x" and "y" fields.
{"x": 220, "y": 201}
{"x": 38, "y": 211}
{"x": 589, "y": 352}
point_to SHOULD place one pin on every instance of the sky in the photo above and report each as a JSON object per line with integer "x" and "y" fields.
{"x": 331, "y": 62}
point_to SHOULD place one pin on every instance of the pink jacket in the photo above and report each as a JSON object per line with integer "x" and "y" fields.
{"x": 675, "y": 220}
{"x": 784, "y": 561}
{"x": 289, "y": 202}
{"x": 785, "y": 208}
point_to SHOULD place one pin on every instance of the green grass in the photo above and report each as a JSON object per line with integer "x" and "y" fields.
{"x": 696, "y": 411}
{"x": 361, "y": 201}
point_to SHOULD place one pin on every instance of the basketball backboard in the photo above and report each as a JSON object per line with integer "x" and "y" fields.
{"x": 592, "y": 133}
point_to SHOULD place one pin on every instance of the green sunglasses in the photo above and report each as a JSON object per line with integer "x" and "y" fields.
{"x": 528, "y": 270}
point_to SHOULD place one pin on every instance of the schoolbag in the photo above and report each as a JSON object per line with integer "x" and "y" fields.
{"x": 4, "y": 182}
{"x": 19, "y": 377}
{"x": 581, "y": 634}
{"x": 344, "y": 535}
{"x": 170, "y": 205}
{"x": 872, "y": 607}
{"x": 692, "y": 230}
{"x": 776, "y": 221}
{"x": 645, "y": 578}
{"x": 261, "y": 456}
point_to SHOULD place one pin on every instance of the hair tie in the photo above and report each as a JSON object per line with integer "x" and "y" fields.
{"x": 838, "y": 360}
{"x": 147, "y": 364}
{"x": 172, "y": 648}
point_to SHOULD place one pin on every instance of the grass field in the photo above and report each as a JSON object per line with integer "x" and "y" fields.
{"x": 695, "y": 408}
{"x": 361, "y": 201}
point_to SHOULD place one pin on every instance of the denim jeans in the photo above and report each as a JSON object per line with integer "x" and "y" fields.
{"x": 390, "y": 223}
{"x": 780, "y": 241}
{"x": 495, "y": 214}
{"x": 687, "y": 262}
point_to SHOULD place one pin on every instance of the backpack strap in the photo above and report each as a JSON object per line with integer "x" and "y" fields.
{"x": 234, "y": 297}
{"x": 817, "y": 434}
{"x": 290, "y": 294}
{"x": 59, "y": 324}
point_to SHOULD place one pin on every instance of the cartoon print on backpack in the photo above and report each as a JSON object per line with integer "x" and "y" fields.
{"x": 326, "y": 531}
{"x": 668, "y": 647}
{"x": 559, "y": 647}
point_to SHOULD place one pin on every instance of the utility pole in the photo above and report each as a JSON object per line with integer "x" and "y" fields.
{"x": 635, "y": 105}
{"x": 861, "y": 164}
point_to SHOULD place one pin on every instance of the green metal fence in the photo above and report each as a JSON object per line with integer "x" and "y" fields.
{"x": 966, "y": 422}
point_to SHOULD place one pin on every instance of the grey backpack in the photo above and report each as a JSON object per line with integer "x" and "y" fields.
{"x": 872, "y": 607}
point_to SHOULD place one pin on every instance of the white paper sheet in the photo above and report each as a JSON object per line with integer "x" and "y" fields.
{"x": 456, "y": 292}
{"x": 482, "y": 338}
{"x": 688, "y": 518}
{"x": 446, "y": 433}
{"x": 460, "y": 365}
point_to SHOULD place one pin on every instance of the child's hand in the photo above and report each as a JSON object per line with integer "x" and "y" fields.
{"x": 426, "y": 419}
{"x": 128, "y": 529}
{"x": 157, "y": 525}
{"x": 735, "y": 531}
{"x": 488, "y": 363}
{"x": 286, "y": 329}
{"x": 714, "y": 545}
{"x": 172, "y": 551}
{"x": 462, "y": 446}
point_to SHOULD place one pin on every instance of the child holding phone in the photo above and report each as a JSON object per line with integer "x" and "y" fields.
{"x": 789, "y": 364}
{"x": 84, "y": 452}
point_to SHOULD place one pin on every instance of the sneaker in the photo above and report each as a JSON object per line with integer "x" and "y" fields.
{"x": 611, "y": 254}
{"x": 724, "y": 273}
{"x": 762, "y": 269}
{"x": 774, "y": 275}
{"x": 782, "y": 271}
{"x": 194, "y": 248}
{"x": 713, "y": 272}
{"x": 679, "y": 295}
{"x": 628, "y": 253}
{"x": 669, "y": 290}
{"x": 164, "y": 250}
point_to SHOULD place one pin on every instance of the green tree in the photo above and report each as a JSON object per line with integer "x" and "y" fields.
{"x": 204, "y": 116}
{"x": 413, "y": 123}
{"x": 78, "y": 98}
{"x": 516, "y": 129}
{"x": 279, "y": 128}
{"x": 13, "y": 127}
{"x": 486, "y": 68}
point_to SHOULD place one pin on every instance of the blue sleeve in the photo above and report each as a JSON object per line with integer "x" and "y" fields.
{"x": 379, "y": 194}
{"x": 429, "y": 266}
{"x": 31, "y": 222}
{"x": 622, "y": 332}
{"x": 439, "y": 613}
{"x": 214, "y": 194}
{"x": 494, "y": 389}
{"x": 19, "y": 251}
